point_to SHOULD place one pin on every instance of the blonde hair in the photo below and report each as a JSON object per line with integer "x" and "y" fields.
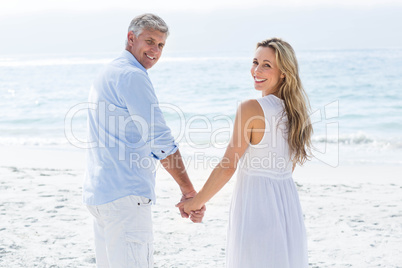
{"x": 297, "y": 106}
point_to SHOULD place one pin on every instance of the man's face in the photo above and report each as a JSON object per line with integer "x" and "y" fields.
{"x": 147, "y": 46}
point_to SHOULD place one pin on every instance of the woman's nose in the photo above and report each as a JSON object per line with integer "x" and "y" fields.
{"x": 257, "y": 69}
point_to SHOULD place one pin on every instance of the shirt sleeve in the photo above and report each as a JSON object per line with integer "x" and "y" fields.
{"x": 138, "y": 94}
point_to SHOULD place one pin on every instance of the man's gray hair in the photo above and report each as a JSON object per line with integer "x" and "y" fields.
{"x": 148, "y": 21}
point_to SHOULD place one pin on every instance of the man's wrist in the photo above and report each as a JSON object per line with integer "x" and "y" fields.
{"x": 188, "y": 192}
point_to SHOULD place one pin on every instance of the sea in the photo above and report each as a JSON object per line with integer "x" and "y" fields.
{"x": 355, "y": 97}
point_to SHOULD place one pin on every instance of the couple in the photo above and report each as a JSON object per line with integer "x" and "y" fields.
{"x": 266, "y": 227}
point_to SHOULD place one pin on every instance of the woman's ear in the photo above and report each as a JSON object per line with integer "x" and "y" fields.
{"x": 283, "y": 75}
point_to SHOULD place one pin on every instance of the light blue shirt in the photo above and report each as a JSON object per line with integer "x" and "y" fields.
{"x": 127, "y": 134}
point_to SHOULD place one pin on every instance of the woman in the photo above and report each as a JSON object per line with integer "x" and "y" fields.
{"x": 271, "y": 135}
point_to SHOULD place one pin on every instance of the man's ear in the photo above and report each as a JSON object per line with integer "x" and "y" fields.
{"x": 130, "y": 38}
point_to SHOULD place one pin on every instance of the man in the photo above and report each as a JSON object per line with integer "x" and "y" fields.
{"x": 130, "y": 134}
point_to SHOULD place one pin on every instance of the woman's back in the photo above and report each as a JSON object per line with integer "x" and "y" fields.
{"x": 271, "y": 153}
{"x": 266, "y": 226}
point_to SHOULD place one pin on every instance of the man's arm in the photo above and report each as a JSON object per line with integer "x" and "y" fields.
{"x": 175, "y": 166}
{"x": 138, "y": 95}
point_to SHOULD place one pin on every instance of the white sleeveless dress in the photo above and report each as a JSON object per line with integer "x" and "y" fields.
{"x": 266, "y": 226}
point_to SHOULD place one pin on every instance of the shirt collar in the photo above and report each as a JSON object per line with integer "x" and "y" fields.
{"x": 131, "y": 59}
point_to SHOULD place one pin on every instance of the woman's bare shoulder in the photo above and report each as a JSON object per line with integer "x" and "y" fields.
{"x": 250, "y": 108}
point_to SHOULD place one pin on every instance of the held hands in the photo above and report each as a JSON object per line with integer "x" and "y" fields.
{"x": 188, "y": 209}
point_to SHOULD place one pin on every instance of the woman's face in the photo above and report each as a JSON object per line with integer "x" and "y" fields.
{"x": 265, "y": 72}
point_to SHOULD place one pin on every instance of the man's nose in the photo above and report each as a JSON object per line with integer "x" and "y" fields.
{"x": 155, "y": 49}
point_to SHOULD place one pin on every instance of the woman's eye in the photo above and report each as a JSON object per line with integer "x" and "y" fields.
{"x": 255, "y": 63}
{"x": 267, "y": 65}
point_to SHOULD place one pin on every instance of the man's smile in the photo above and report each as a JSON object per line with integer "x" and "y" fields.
{"x": 149, "y": 57}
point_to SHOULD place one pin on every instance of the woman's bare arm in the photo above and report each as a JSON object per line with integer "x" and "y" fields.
{"x": 225, "y": 169}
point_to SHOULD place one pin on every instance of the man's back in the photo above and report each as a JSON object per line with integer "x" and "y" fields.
{"x": 121, "y": 161}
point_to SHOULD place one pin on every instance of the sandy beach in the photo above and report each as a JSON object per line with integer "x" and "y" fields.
{"x": 353, "y": 215}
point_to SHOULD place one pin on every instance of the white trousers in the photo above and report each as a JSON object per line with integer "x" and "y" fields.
{"x": 123, "y": 233}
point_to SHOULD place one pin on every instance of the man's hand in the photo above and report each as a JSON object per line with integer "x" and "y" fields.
{"x": 195, "y": 216}
{"x": 175, "y": 166}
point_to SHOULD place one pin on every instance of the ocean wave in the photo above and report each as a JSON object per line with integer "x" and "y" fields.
{"x": 198, "y": 59}
{"x": 34, "y": 141}
{"x": 52, "y": 62}
{"x": 354, "y": 139}
{"x": 360, "y": 138}
{"x": 14, "y": 62}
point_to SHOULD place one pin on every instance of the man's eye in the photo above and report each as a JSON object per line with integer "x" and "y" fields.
{"x": 149, "y": 42}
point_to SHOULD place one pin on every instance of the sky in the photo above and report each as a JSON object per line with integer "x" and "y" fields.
{"x": 89, "y": 26}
